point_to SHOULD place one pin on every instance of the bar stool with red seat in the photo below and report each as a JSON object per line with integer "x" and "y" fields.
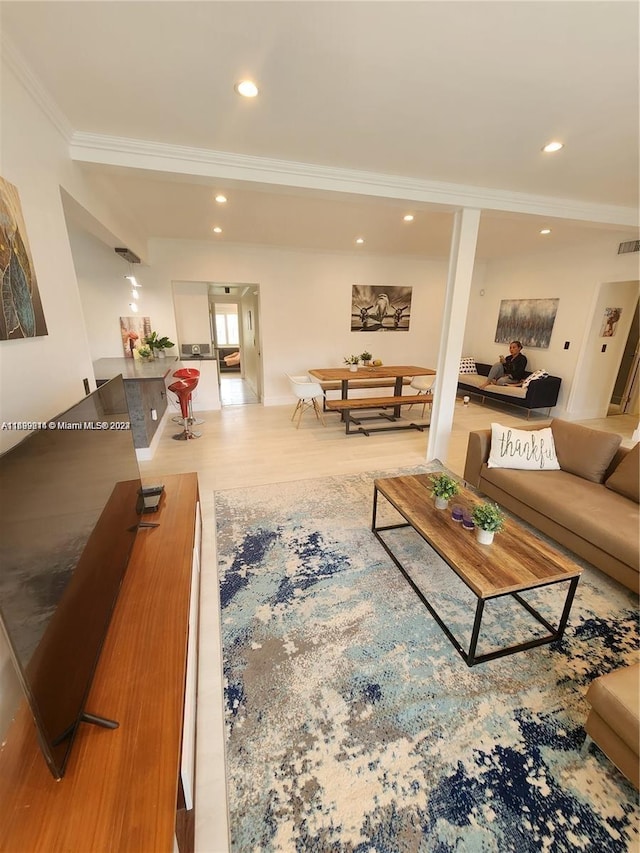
{"x": 182, "y": 388}
{"x": 188, "y": 373}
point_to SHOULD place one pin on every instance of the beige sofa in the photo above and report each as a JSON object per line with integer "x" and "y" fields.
{"x": 613, "y": 719}
{"x": 590, "y": 506}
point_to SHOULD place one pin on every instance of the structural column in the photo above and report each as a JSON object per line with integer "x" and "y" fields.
{"x": 461, "y": 263}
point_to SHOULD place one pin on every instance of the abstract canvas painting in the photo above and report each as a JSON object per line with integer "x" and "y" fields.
{"x": 22, "y": 315}
{"x": 380, "y": 308}
{"x": 529, "y": 321}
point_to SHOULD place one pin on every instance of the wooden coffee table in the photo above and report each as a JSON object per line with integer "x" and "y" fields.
{"x": 516, "y": 561}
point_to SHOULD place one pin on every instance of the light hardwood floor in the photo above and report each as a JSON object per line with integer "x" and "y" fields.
{"x": 244, "y": 445}
{"x": 247, "y": 445}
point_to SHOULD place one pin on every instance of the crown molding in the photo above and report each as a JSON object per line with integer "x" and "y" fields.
{"x": 203, "y": 162}
{"x": 20, "y": 67}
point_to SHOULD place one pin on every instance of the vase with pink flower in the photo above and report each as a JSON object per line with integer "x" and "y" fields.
{"x": 131, "y": 339}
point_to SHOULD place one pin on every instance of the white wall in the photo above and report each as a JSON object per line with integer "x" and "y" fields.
{"x": 191, "y": 303}
{"x": 105, "y": 295}
{"x": 574, "y": 276}
{"x": 305, "y": 300}
{"x": 42, "y": 376}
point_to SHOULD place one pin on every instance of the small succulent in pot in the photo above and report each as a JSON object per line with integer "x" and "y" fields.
{"x": 488, "y": 516}
{"x": 443, "y": 486}
{"x": 366, "y": 357}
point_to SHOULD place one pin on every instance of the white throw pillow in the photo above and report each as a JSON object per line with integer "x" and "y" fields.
{"x": 529, "y": 450}
{"x": 468, "y": 365}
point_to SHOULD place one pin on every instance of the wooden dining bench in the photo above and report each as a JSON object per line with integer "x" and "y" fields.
{"x": 345, "y": 407}
{"x": 369, "y": 382}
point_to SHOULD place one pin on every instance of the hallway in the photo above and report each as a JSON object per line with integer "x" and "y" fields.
{"x": 235, "y": 391}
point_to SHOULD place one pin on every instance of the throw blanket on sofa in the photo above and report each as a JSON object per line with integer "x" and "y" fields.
{"x": 537, "y": 374}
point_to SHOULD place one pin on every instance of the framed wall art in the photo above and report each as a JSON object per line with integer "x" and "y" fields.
{"x": 529, "y": 321}
{"x": 380, "y": 308}
{"x": 21, "y": 314}
{"x": 610, "y": 322}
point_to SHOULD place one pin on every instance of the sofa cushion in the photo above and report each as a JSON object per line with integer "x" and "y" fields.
{"x": 607, "y": 520}
{"x": 468, "y": 365}
{"x": 626, "y": 478}
{"x": 473, "y": 381}
{"x": 582, "y": 451}
{"x": 528, "y": 450}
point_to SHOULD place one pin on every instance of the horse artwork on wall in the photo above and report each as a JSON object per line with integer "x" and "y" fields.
{"x": 529, "y": 321}
{"x": 22, "y": 315}
{"x": 380, "y": 308}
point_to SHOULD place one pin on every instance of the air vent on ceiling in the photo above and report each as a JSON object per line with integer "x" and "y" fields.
{"x": 128, "y": 255}
{"x": 629, "y": 246}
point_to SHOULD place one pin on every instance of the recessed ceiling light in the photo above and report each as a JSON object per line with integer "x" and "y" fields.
{"x": 246, "y": 88}
{"x": 550, "y": 147}
{"x": 546, "y": 231}
{"x": 217, "y": 230}
{"x": 408, "y": 217}
{"x": 359, "y": 240}
{"x": 221, "y": 199}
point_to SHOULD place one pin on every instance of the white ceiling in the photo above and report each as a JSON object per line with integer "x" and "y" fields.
{"x": 463, "y": 93}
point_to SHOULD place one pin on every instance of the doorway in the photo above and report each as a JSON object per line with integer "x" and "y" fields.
{"x": 624, "y": 398}
{"x": 234, "y": 323}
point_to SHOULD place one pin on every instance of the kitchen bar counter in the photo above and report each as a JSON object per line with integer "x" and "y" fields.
{"x": 133, "y": 368}
{"x": 145, "y": 387}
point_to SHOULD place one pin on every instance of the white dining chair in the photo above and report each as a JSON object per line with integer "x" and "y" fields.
{"x": 423, "y": 385}
{"x": 307, "y": 393}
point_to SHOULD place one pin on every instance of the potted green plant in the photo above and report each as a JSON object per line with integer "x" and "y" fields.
{"x": 366, "y": 357}
{"x": 145, "y": 352}
{"x": 489, "y": 519}
{"x": 158, "y": 344}
{"x": 352, "y": 361}
{"x": 443, "y": 488}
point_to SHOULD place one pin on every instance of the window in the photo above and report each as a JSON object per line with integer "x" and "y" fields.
{"x": 227, "y": 327}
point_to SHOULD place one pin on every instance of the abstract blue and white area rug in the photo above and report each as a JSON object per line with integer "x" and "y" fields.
{"x": 353, "y": 725}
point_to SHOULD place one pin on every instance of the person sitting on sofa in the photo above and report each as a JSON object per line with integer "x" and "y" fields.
{"x": 509, "y": 370}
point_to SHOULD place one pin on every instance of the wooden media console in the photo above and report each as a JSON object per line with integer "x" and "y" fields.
{"x": 132, "y": 788}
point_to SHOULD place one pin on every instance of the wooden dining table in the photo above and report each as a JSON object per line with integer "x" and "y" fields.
{"x": 384, "y": 371}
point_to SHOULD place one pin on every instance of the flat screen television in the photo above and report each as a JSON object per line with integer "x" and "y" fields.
{"x": 69, "y": 512}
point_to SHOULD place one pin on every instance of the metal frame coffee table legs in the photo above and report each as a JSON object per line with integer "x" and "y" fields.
{"x": 470, "y": 656}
